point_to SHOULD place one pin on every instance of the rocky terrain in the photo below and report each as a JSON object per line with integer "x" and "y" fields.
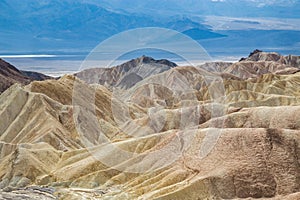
{"x": 215, "y": 131}
{"x": 10, "y": 75}
{"x": 127, "y": 74}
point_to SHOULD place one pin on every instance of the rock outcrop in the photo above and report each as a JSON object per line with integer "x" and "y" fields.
{"x": 290, "y": 60}
{"x": 127, "y": 74}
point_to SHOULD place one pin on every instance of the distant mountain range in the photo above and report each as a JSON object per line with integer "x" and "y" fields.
{"x": 233, "y": 8}
{"x": 130, "y": 73}
{"x": 78, "y": 26}
{"x": 64, "y": 25}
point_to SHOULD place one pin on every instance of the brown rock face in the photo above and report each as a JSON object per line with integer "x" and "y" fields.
{"x": 218, "y": 131}
{"x": 10, "y": 75}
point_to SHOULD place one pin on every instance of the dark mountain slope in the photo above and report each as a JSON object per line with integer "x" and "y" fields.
{"x": 10, "y": 75}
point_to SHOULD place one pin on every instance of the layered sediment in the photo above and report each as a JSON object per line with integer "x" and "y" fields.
{"x": 216, "y": 131}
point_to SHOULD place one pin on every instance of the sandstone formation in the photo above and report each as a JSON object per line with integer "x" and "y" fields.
{"x": 258, "y": 63}
{"x": 291, "y": 60}
{"x": 217, "y": 131}
{"x": 127, "y": 74}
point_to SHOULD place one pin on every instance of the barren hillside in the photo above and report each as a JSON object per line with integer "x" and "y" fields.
{"x": 217, "y": 131}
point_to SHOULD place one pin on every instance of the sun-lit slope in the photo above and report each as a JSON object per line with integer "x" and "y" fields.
{"x": 256, "y": 64}
{"x": 250, "y": 69}
{"x": 267, "y": 90}
{"x": 28, "y": 164}
{"x": 42, "y": 115}
{"x": 28, "y": 117}
{"x": 244, "y": 163}
{"x": 43, "y": 110}
{"x": 127, "y": 74}
{"x": 185, "y": 133}
{"x": 291, "y": 60}
{"x": 190, "y": 84}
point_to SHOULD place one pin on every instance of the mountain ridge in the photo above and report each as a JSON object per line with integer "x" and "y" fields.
{"x": 127, "y": 74}
{"x": 56, "y": 25}
{"x": 9, "y": 75}
{"x": 67, "y": 138}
